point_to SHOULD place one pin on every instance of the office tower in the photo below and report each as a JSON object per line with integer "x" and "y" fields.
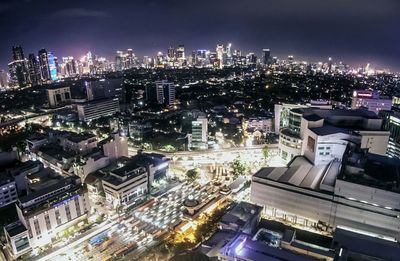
{"x": 52, "y": 66}
{"x": 180, "y": 52}
{"x": 18, "y": 53}
{"x": 3, "y": 79}
{"x": 130, "y": 59}
{"x": 69, "y": 67}
{"x": 18, "y": 69}
{"x": 58, "y": 96}
{"x": 371, "y": 100}
{"x": 33, "y": 68}
{"x": 180, "y": 55}
{"x": 266, "y": 56}
{"x": 220, "y": 52}
{"x": 119, "y": 61}
{"x": 251, "y": 59}
{"x": 162, "y": 92}
{"x": 199, "y": 137}
{"x": 168, "y": 91}
{"x": 44, "y": 65}
{"x": 171, "y": 54}
{"x": 95, "y": 109}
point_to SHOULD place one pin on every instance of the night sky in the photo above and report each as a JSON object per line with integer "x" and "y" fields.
{"x": 354, "y": 31}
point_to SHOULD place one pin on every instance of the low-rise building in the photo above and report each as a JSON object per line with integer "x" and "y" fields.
{"x": 371, "y": 100}
{"x": 58, "y": 96}
{"x": 79, "y": 142}
{"x": 95, "y": 109}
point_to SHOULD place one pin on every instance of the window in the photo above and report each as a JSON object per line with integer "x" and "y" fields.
{"x": 68, "y": 212}
{"x": 47, "y": 219}
{"x": 311, "y": 144}
{"x": 58, "y": 217}
{"x": 37, "y": 227}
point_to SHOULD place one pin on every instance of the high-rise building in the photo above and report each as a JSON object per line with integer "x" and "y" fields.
{"x": 180, "y": 55}
{"x": 266, "y": 56}
{"x": 165, "y": 92}
{"x": 171, "y": 54}
{"x": 52, "y": 66}
{"x": 34, "y": 71}
{"x": 18, "y": 69}
{"x": 119, "y": 61}
{"x": 199, "y": 137}
{"x": 162, "y": 92}
{"x": 44, "y": 65}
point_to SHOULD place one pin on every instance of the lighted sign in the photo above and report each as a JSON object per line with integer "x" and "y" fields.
{"x": 359, "y": 94}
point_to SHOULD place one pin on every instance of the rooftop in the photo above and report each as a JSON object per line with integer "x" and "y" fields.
{"x": 328, "y": 129}
{"x": 302, "y": 173}
{"x": 15, "y": 228}
{"x": 78, "y": 137}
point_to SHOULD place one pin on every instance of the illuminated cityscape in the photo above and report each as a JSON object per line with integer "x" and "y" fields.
{"x": 179, "y": 131}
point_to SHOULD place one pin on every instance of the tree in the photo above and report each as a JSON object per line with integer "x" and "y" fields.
{"x": 265, "y": 152}
{"x": 193, "y": 174}
{"x": 238, "y": 168}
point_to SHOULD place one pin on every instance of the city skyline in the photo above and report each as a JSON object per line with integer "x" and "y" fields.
{"x": 339, "y": 30}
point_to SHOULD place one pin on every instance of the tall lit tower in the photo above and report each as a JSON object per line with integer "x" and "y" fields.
{"x": 266, "y": 56}
{"x": 18, "y": 70}
{"x": 33, "y": 68}
{"x": 44, "y": 65}
{"x": 52, "y": 66}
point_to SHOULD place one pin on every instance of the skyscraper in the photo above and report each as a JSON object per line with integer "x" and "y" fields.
{"x": 171, "y": 53}
{"x": 180, "y": 54}
{"x": 266, "y": 56}
{"x": 44, "y": 65}
{"x": 33, "y": 68}
{"x": 119, "y": 61}
{"x": 18, "y": 70}
{"x": 52, "y": 66}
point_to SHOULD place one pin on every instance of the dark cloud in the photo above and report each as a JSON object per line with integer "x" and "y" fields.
{"x": 78, "y": 13}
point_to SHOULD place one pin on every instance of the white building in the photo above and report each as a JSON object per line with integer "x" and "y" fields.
{"x": 370, "y": 100}
{"x": 259, "y": 124}
{"x": 58, "y": 96}
{"x": 133, "y": 179}
{"x": 307, "y": 123}
{"x": 281, "y": 112}
{"x": 199, "y": 137}
{"x": 51, "y": 206}
{"x": 334, "y": 185}
{"x": 116, "y": 147}
{"x": 165, "y": 92}
{"x": 95, "y": 109}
